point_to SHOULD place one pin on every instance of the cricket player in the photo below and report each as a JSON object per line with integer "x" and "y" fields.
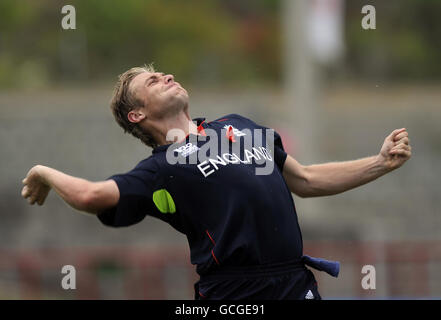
{"x": 241, "y": 225}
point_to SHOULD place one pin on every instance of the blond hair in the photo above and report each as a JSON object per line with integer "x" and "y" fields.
{"x": 124, "y": 100}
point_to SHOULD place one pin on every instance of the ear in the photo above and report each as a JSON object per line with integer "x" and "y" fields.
{"x": 135, "y": 116}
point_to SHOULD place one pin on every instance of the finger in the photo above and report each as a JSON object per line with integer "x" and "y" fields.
{"x": 402, "y": 152}
{"x": 24, "y": 181}
{"x": 395, "y": 132}
{"x": 401, "y": 135}
{"x": 404, "y": 140}
{"x": 400, "y": 146}
{"x": 41, "y": 200}
{"x": 35, "y": 198}
{"x": 31, "y": 200}
{"x": 25, "y": 192}
{"x": 398, "y": 151}
{"x": 406, "y": 154}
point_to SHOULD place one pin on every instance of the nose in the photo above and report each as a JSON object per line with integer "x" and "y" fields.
{"x": 169, "y": 78}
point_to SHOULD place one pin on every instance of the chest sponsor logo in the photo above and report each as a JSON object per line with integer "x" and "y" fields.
{"x": 210, "y": 166}
{"x": 186, "y": 150}
{"x": 210, "y": 152}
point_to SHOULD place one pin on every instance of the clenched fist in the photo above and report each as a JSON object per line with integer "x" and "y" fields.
{"x": 35, "y": 187}
{"x": 396, "y": 149}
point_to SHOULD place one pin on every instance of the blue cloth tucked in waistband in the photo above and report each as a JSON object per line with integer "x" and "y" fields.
{"x": 330, "y": 267}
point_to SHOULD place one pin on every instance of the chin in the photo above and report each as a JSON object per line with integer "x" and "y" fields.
{"x": 176, "y": 104}
{"x": 182, "y": 96}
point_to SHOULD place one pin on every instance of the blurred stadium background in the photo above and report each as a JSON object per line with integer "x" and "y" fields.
{"x": 306, "y": 68}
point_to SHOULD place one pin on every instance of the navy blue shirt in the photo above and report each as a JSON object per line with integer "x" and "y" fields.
{"x": 230, "y": 215}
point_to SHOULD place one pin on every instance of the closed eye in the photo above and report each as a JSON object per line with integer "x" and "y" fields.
{"x": 152, "y": 81}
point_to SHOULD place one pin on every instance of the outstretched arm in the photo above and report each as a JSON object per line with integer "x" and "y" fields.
{"x": 81, "y": 194}
{"x": 336, "y": 177}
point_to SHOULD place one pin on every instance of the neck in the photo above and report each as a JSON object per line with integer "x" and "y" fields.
{"x": 173, "y": 129}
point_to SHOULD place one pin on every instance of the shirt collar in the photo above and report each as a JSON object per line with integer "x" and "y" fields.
{"x": 200, "y": 122}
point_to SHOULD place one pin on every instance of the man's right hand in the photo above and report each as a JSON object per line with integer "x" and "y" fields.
{"x": 35, "y": 187}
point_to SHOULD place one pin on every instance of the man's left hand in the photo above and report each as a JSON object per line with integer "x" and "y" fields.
{"x": 396, "y": 149}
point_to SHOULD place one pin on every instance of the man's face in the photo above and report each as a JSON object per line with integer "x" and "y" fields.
{"x": 161, "y": 95}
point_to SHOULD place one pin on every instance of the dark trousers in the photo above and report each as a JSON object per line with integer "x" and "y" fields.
{"x": 290, "y": 281}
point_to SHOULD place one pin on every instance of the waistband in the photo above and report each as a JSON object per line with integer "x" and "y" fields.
{"x": 262, "y": 270}
{"x": 273, "y": 269}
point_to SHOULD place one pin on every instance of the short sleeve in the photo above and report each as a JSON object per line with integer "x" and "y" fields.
{"x": 279, "y": 151}
{"x": 135, "y": 201}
